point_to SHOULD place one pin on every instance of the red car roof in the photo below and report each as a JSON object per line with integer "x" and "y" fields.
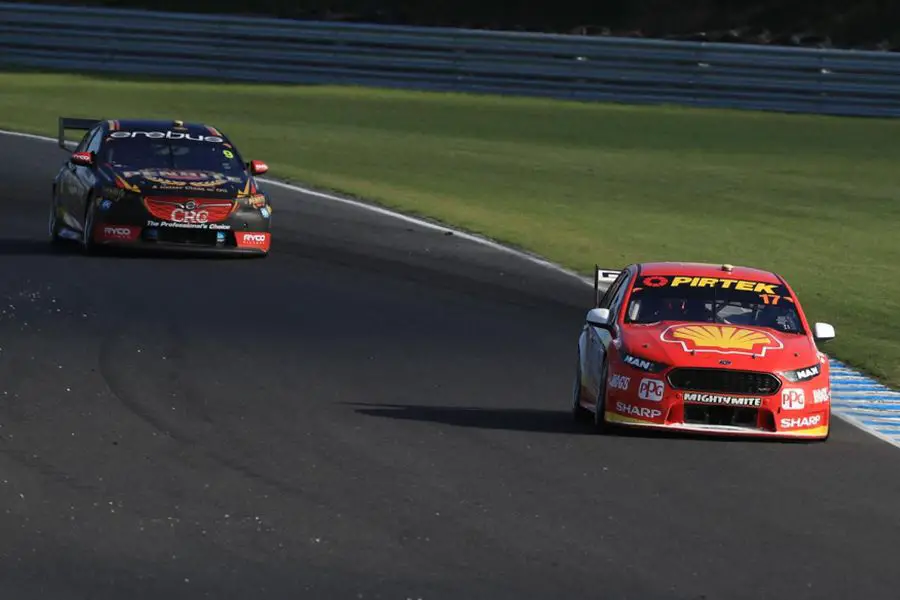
{"x": 690, "y": 269}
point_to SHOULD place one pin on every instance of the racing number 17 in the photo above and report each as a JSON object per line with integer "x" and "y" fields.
{"x": 770, "y": 298}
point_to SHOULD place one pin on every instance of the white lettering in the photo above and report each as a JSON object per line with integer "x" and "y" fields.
{"x": 793, "y": 399}
{"x": 619, "y": 382}
{"x": 804, "y": 374}
{"x": 722, "y": 400}
{"x": 639, "y": 363}
{"x": 822, "y": 396}
{"x": 119, "y": 232}
{"x": 797, "y": 423}
{"x": 638, "y": 411}
{"x": 169, "y": 135}
{"x": 180, "y": 215}
{"x": 170, "y": 225}
{"x": 651, "y": 390}
{"x": 254, "y": 238}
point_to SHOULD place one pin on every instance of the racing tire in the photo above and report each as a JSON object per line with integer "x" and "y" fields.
{"x": 600, "y": 423}
{"x": 88, "y": 245}
{"x": 53, "y": 221}
{"x": 579, "y": 413}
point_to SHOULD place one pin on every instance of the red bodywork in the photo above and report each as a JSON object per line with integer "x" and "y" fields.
{"x": 722, "y": 358}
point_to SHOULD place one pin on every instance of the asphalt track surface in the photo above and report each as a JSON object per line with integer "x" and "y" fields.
{"x": 374, "y": 411}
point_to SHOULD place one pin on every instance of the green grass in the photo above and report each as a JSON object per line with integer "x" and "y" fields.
{"x": 815, "y": 198}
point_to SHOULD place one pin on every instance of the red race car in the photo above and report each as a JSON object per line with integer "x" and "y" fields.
{"x": 702, "y": 348}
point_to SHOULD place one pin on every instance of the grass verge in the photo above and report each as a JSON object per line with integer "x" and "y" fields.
{"x": 814, "y": 198}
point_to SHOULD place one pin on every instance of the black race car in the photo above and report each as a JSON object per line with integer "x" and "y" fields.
{"x": 159, "y": 184}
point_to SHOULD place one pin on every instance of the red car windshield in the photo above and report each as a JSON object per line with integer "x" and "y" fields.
{"x": 713, "y": 300}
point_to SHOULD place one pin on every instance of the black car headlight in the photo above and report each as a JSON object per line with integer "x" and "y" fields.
{"x": 257, "y": 201}
{"x": 804, "y": 374}
{"x": 642, "y": 364}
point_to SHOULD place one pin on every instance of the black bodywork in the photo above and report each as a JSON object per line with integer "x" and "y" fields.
{"x": 158, "y": 184}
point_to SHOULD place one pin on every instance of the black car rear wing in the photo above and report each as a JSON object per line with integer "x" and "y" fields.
{"x": 607, "y": 276}
{"x": 72, "y": 123}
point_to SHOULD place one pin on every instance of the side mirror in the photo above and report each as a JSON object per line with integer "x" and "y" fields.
{"x": 82, "y": 159}
{"x": 822, "y": 332}
{"x": 258, "y": 167}
{"x": 598, "y": 317}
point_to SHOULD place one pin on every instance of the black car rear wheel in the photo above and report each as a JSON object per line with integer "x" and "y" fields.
{"x": 53, "y": 221}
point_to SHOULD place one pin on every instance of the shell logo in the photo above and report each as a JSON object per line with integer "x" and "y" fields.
{"x": 724, "y": 339}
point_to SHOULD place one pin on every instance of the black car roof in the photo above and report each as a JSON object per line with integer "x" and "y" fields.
{"x": 161, "y": 125}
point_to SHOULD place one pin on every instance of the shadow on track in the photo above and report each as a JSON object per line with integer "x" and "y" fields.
{"x": 536, "y": 421}
{"x": 26, "y": 247}
{"x": 515, "y": 419}
{"x": 31, "y": 247}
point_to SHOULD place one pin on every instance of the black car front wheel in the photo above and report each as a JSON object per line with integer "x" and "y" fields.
{"x": 600, "y": 423}
{"x": 53, "y": 221}
{"x": 88, "y": 245}
{"x": 579, "y": 412}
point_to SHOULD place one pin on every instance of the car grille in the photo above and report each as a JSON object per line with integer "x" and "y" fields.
{"x": 700, "y": 414}
{"x": 724, "y": 381}
{"x": 203, "y": 210}
{"x": 202, "y": 237}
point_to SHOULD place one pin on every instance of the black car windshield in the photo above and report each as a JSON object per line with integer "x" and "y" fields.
{"x": 181, "y": 154}
{"x": 713, "y": 300}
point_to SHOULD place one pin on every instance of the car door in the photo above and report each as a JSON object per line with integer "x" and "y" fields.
{"x": 599, "y": 338}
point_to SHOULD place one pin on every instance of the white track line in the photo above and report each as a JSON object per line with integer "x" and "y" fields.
{"x": 430, "y": 225}
{"x": 843, "y": 370}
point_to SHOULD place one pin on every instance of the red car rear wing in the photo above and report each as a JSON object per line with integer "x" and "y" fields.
{"x": 72, "y": 123}
{"x": 603, "y": 276}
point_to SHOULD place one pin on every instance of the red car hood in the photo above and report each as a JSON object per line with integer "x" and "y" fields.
{"x": 708, "y": 344}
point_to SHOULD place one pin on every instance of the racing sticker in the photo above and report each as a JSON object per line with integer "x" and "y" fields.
{"x": 249, "y": 239}
{"x": 116, "y": 233}
{"x": 182, "y": 179}
{"x": 651, "y": 390}
{"x": 800, "y": 422}
{"x": 741, "y": 285}
{"x": 793, "y": 399}
{"x": 168, "y": 135}
{"x": 822, "y": 396}
{"x": 723, "y": 339}
{"x": 721, "y": 399}
{"x": 190, "y": 211}
{"x": 638, "y": 411}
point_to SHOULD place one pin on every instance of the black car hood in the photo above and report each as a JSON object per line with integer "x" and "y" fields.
{"x": 180, "y": 182}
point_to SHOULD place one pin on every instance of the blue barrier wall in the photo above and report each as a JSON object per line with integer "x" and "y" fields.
{"x": 560, "y": 66}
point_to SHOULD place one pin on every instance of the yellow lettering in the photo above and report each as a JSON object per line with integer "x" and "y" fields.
{"x": 695, "y": 281}
{"x": 726, "y": 283}
{"x": 708, "y": 282}
{"x": 744, "y": 286}
{"x": 676, "y": 281}
{"x": 766, "y": 288}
